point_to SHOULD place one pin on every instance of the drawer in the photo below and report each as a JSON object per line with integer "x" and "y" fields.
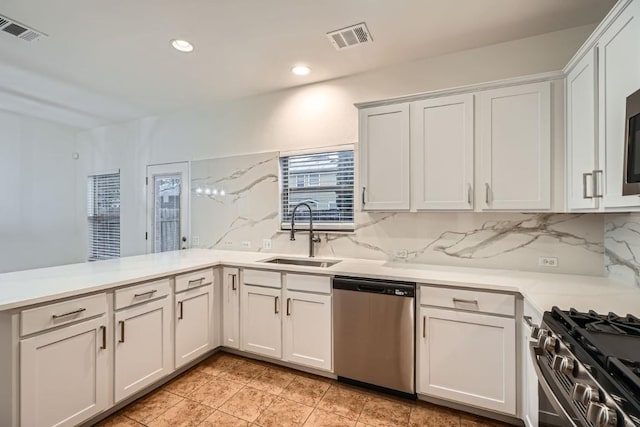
{"x": 52, "y": 315}
{"x": 309, "y": 283}
{"x": 270, "y": 279}
{"x": 140, "y": 293}
{"x": 194, "y": 279}
{"x": 471, "y": 300}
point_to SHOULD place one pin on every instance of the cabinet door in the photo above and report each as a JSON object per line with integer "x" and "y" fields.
{"x": 63, "y": 375}
{"x": 194, "y": 324}
{"x": 581, "y": 133}
{"x": 529, "y": 381}
{"x": 619, "y": 77}
{"x": 514, "y": 133}
{"x": 142, "y": 346}
{"x": 231, "y": 308}
{"x": 384, "y": 157}
{"x": 261, "y": 321}
{"x": 307, "y": 329}
{"x": 468, "y": 358}
{"x": 442, "y": 153}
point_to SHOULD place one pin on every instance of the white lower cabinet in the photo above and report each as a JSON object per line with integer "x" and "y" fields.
{"x": 261, "y": 321}
{"x": 307, "y": 329}
{"x": 469, "y": 358}
{"x": 231, "y": 307}
{"x": 142, "y": 346}
{"x": 63, "y": 375}
{"x": 193, "y": 324}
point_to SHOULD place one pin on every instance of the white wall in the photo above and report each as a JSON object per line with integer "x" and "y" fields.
{"x": 316, "y": 115}
{"x": 38, "y": 217}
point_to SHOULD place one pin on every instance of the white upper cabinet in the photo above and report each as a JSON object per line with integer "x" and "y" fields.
{"x": 514, "y": 141}
{"x": 619, "y": 77}
{"x": 442, "y": 153}
{"x": 581, "y": 133}
{"x": 384, "y": 157}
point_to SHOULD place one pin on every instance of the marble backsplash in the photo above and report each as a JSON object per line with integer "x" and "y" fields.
{"x": 622, "y": 247}
{"x": 235, "y": 200}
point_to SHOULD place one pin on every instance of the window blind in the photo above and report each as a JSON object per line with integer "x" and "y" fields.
{"x": 325, "y": 181}
{"x": 103, "y": 215}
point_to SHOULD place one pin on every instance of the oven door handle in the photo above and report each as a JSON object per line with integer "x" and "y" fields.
{"x": 546, "y": 388}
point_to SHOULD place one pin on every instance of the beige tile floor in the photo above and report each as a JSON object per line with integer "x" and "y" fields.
{"x": 228, "y": 390}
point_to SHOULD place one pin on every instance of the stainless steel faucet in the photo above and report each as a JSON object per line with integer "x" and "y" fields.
{"x": 312, "y": 238}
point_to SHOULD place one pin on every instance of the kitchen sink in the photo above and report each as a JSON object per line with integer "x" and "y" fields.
{"x": 322, "y": 263}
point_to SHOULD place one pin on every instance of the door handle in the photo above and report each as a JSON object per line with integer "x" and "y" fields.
{"x": 584, "y": 185}
{"x": 424, "y": 326}
{"x": 181, "y": 315}
{"x": 596, "y": 187}
{"x": 487, "y": 191}
{"x": 470, "y": 194}
{"x": 103, "y": 329}
{"x": 275, "y": 305}
{"x": 364, "y": 189}
{"x": 288, "y": 306}
{"x": 233, "y": 282}
{"x": 121, "y": 323}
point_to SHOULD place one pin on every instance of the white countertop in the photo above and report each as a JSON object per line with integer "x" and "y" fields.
{"x": 542, "y": 291}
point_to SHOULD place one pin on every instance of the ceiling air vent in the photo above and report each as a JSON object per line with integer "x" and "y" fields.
{"x": 14, "y": 28}
{"x": 351, "y": 36}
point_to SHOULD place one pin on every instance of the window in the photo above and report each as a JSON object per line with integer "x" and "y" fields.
{"x": 103, "y": 215}
{"x": 325, "y": 181}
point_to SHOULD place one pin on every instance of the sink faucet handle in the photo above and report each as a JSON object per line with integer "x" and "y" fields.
{"x": 316, "y": 238}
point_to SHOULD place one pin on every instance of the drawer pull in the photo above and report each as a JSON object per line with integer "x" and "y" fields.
{"x": 71, "y": 313}
{"x": 144, "y": 294}
{"x": 198, "y": 281}
{"x": 104, "y": 337}
{"x": 121, "y": 323}
{"x": 465, "y": 301}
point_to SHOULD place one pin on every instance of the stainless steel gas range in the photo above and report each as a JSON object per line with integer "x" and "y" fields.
{"x": 588, "y": 367}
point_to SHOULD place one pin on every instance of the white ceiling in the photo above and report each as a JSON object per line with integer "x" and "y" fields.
{"x": 117, "y": 53}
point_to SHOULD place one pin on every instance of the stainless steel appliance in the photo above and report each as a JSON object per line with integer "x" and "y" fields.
{"x": 374, "y": 333}
{"x": 588, "y": 367}
{"x": 631, "y": 177}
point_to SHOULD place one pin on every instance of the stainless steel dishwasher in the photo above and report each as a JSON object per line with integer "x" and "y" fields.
{"x": 374, "y": 333}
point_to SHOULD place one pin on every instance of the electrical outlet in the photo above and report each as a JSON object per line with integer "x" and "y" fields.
{"x": 401, "y": 253}
{"x": 246, "y": 244}
{"x": 548, "y": 261}
{"x": 228, "y": 243}
{"x": 266, "y": 244}
{"x": 195, "y": 240}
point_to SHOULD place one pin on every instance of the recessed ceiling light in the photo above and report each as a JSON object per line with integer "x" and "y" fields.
{"x": 301, "y": 70}
{"x": 182, "y": 45}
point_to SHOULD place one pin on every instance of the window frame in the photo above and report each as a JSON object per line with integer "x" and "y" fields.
{"x": 345, "y": 227}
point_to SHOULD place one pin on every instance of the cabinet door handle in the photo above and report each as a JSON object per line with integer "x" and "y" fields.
{"x": 103, "y": 329}
{"x": 596, "y": 187}
{"x": 181, "y": 315}
{"x": 487, "y": 190}
{"x": 121, "y": 323}
{"x": 71, "y": 313}
{"x": 424, "y": 326}
{"x": 364, "y": 190}
{"x": 144, "y": 294}
{"x": 288, "y": 306}
{"x": 233, "y": 282}
{"x": 470, "y": 194}
{"x": 584, "y": 185}
{"x": 275, "y": 305}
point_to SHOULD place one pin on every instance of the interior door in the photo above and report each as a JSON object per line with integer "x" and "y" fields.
{"x": 167, "y": 207}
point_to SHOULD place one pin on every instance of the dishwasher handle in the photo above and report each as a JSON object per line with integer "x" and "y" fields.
{"x": 375, "y": 286}
{"x": 368, "y": 288}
